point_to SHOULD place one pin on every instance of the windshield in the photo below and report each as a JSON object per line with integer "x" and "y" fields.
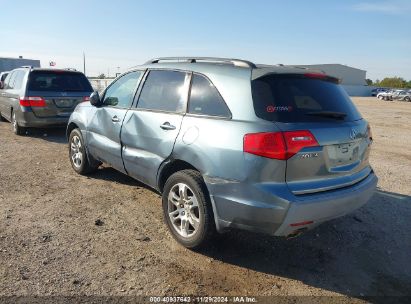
{"x": 296, "y": 98}
{"x": 58, "y": 81}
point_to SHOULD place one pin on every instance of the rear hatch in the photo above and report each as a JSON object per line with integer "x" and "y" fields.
{"x": 57, "y": 92}
{"x": 338, "y": 155}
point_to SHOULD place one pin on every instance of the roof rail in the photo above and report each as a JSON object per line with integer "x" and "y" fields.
{"x": 235, "y": 62}
{"x": 27, "y": 66}
{"x": 71, "y": 69}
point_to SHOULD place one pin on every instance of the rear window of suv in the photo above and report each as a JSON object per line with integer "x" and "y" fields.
{"x": 296, "y": 98}
{"x": 58, "y": 81}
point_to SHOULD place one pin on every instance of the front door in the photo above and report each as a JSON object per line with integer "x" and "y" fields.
{"x": 103, "y": 133}
{"x": 151, "y": 128}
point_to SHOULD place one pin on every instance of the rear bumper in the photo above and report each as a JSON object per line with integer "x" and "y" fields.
{"x": 326, "y": 206}
{"x": 28, "y": 119}
{"x": 273, "y": 208}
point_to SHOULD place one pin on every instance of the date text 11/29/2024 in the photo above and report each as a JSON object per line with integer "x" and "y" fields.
{"x": 203, "y": 299}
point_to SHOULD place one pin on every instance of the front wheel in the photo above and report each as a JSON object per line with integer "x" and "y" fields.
{"x": 77, "y": 153}
{"x": 407, "y": 99}
{"x": 187, "y": 209}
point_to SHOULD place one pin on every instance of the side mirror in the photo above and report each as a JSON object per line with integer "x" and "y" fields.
{"x": 95, "y": 99}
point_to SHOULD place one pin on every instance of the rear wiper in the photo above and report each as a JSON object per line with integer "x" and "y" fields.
{"x": 330, "y": 114}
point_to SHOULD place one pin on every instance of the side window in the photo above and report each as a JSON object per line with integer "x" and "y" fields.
{"x": 205, "y": 99}
{"x": 18, "y": 81}
{"x": 164, "y": 91}
{"x": 10, "y": 80}
{"x": 120, "y": 93}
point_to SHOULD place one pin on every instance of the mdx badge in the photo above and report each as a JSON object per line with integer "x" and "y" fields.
{"x": 309, "y": 155}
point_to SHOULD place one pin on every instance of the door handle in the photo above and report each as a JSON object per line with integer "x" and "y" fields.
{"x": 115, "y": 119}
{"x": 167, "y": 126}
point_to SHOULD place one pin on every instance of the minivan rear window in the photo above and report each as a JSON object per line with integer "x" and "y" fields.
{"x": 58, "y": 81}
{"x": 296, "y": 98}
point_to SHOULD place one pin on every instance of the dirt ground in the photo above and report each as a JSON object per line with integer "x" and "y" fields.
{"x": 50, "y": 243}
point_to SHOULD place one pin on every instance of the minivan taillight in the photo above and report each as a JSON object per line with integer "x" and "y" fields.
{"x": 32, "y": 101}
{"x": 278, "y": 145}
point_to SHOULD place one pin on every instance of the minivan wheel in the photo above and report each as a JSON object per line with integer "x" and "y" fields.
{"x": 187, "y": 209}
{"x": 77, "y": 153}
{"x": 15, "y": 125}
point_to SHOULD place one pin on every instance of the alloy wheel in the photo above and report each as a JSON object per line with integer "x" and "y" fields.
{"x": 75, "y": 151}
{"x": 14, "y": 122}
{"x": 183, "y": 210}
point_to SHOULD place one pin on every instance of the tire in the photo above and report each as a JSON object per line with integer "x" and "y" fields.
{"x": 15, "y": 125}
{"x": 407, "y": 99}
{"x": 197, "y": 227}
{"x": 2, "y": 118}
{"x": 78, "y": 155}
{"x": 380, "y": 97}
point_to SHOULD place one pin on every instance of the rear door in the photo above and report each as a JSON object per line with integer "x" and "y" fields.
{"x": 321, "y": 106}
{"x": 103, "y": 132}
{"x": 150, "y": 129}
{"x": 61, "y": 90}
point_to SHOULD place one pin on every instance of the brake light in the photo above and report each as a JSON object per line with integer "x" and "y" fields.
{"x": 278, "y": 145}
{"x": 86, "y": 98}
{"x": 32, "y": 101}
{"x": 316, "y": 75}
{"x": 296, "y": 140}
{"x": 271, "y": 145}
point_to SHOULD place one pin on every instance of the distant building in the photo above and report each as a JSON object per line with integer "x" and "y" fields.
{"x": 7, "y": 64}
{"x": 352, "y": 79}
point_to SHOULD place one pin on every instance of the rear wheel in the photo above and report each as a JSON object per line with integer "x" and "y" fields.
{"x": 78, "y": 156}
{"x": 407, "y": 99}
{"x": 2, "y": 118}
{"x": 187, "y": 209}
{"x": 15, "y": 125}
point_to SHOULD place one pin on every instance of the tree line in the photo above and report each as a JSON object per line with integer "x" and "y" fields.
{"x": 391, "y": 82}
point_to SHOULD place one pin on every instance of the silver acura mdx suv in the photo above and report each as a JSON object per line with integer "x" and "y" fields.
{"x": 230, "y": 144}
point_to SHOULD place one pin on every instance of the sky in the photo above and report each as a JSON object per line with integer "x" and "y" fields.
{"x": 114, "y": 35}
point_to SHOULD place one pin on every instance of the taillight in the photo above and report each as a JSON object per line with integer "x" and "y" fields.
{"x": 32, "y": 101}
{"x": 278, "y": 145}
{"x": 86, "y": 98}
{"x": 296, "y": 140}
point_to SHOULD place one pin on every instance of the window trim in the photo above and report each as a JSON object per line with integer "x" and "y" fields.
{"x": 183, "y": 112}
{"x": 229, "y": 117}
{"x": 144, "y": 71}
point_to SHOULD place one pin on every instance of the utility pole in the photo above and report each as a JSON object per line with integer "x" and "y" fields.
{"x": 84, "y": 63}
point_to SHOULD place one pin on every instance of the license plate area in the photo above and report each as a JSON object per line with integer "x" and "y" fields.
{"x": 343, "y": 154}
{"x": 64, "y": 103}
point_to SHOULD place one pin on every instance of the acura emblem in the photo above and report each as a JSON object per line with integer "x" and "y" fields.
{"x": 353, "y": 134}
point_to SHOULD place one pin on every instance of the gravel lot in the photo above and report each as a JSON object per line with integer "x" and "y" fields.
{"x": 50, "y": 243}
